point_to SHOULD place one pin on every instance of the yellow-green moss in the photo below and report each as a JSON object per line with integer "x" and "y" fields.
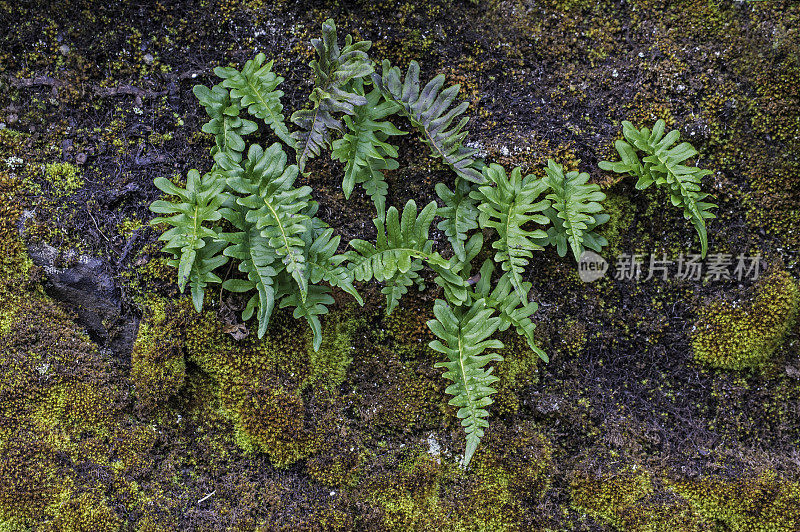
{"x": 64, "y": 178}
{"x": 624, "y": 500}
{"x": 259, "y": 381}
{"x": 620, "y": 211}
{"x": 766, "y": 503}
{"x": 746, "y": 336}
{"x": 158, "y": 368}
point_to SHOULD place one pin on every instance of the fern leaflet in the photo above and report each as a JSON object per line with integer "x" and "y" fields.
{"x": 225, "y": 124}
{"x": 254, "y": 89}
{"x": 333, "y": 69}
{"x": 576, "y": 204}
{"x": 427, "y": 110}
{"x": 506, "y": 207}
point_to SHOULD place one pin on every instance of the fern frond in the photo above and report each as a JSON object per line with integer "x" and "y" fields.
{"x": 225, "y": 124}
{"x": 576, "y": 203}
{"x": 202, "y": 273}
{"x": 314, "y": 305}
{"x": 397, "y": 286}
{"x": 257, "y": 260}
{"x": 460, "y": 215}
{"x": 323, "y": 262}
{"x": 506, "y": 206}
{"x": 400, "y": 242}
{"x": 427, "y": 110}
{"x": 254, "y": 89}
{"x": 505, "y": 301}
{"x": 364, "y": 148}
{"x": 333, "y": 69}
{"x": 199, "y": 204}
{"x": 663, "y": 165}
{"x": 464, "y": 336}
{"x": 275, "y": 206}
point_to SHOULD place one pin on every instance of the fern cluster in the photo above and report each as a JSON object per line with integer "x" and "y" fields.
{"x": 663, "y": 165}
{"x": 249, "y": 208}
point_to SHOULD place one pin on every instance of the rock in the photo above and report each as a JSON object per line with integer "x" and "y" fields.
{"x": 86, "y": 285}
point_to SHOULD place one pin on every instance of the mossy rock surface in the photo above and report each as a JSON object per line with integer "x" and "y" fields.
{"x": 666, "y": 404}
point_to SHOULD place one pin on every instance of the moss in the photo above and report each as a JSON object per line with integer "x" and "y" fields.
{"x": 158, "y": 368}
{"x": 517, "y": 370}
{"x": 260, "y": 381}
{"x": 64, "y": 178}
{"x": 84, "y": 512}
{"x": 625, "y": 501}
{"x": 621, "y": 212}
{"x": 766, "y": 503}
{"x": 746, "y": 336}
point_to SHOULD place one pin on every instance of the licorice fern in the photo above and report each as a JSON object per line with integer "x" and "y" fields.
{"x": 250, "y": 210}
{"x": 254, "y": 89}
{"x": 663, "y": 165}
{"x": 506, "y": 206}
{"x": 333, "y": 68}
{"x": 464, "y": 335}
{"x": 427, "y": 110}
{"x": 188, "y": 238}
{"x": 575, "y": 211}
{"x": 364, "y": 150}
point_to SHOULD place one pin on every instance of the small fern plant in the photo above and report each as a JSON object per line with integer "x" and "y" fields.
{"x": 250, "y": 209}
{"x": 664, "y": 166}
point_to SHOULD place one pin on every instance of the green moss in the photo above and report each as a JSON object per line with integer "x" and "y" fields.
{"x": 625, "y": 501}
{"x": 64, "y": 178}
{"x": 621, "y": 212}
{"x": 766, "y": 503}
{"x": 517, "y": 370}
{"x": 81, "y": 512}
{"x": 746, "y": 336}
{"x": 259, "y": 381}
{"x": 158, "y": 368}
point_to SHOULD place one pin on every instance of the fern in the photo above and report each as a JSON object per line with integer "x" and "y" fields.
{"x": 663, "y": 165}
{"x": 333, "y": 69}
{"x": 225, "y": 124}
{"x": 427, "y": 110}
{"x": 314, "y": 305}
{"x": 257, "y": 260}
{"x": 577, "y": 210}
{"x": 199, "y": 204}
{"x": 464, "y": 336}
{"x": 364, "y": 149}
{"x": 506, "y": 207}
{"x": 460, "y": 215}
{"x": 511, "y": 310}
{"x": 275, "y": 206}
{"x": 254, "y": 89}
{"x": 399, "y": 243}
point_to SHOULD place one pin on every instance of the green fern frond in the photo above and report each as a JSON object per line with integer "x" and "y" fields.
{"x": 198, "y": 205}
{"x": 397, "y": 286}
{"x": 506, "y": 206}
{"x": 257, "y": 260}
{"x": 400, "y": 242}
{"x": 663, "y": 165}
{"x": 364, "y": 148}
{"x": 314, "y": 305}
{"x": 323, "y": 262}
{"x": 576, "y": 204}
{"x": 225, "y": 124}
{"x": 460, "y": 215}
{"x": 464, "y": 336}
{"x": 333, "y": 68}
{"x": 254, "y": 89}
{"x": 427, "y": 110}
{"x": 505, "y": 301}
{"x": 274, "y": 205}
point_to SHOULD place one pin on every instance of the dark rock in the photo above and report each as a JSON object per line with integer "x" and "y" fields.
{"x": 87, "y": 286}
